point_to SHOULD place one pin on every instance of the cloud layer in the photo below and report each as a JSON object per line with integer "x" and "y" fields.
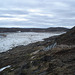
{"x": 37, "y": 13}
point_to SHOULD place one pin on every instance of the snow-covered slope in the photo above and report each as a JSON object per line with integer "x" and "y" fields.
{"x": 24, "y": 38}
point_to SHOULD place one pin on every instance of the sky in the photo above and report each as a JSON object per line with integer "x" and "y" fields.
{"x": 37, "y": 13}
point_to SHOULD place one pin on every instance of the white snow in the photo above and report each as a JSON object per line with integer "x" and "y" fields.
{"x": 4, "y": 68}
{"x": 23, "y": 38}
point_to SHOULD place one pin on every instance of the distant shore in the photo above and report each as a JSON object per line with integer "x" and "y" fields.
{"x": 51, "y": 29}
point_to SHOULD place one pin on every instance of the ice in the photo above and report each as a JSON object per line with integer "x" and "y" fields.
{"x": 23, "y": 38}
{"x": 4, "y": 68}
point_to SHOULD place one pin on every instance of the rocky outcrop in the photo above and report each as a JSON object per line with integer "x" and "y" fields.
{"x": 2, "y": 35}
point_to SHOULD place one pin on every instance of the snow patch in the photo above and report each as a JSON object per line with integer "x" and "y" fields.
{"x": 4, "y": 68}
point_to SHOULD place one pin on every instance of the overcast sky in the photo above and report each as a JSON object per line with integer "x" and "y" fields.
{"x": 37, "y": 13}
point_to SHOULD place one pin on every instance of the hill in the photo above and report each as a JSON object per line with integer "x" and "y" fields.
{"x": 56, "y": 29}
{"x": 67, "y": 38}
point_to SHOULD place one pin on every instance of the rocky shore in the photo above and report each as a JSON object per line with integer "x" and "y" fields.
{"x": 2, "y": 35}
{"x": 53, "y": 56}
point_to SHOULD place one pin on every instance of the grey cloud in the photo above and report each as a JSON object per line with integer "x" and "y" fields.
{"x": 13, "y": 12}
{"x": 63, "y": 11}
{"x": 3, "y": 16}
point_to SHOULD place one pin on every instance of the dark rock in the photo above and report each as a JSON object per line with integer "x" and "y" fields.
{"x": 35, "y": 62}
{"x": 26, "y": 66}
{"x": 46, "y": 58}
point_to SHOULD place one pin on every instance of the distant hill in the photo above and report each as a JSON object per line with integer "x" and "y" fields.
{"x": 55, "y": 29}
{"x": 67, "y": 38}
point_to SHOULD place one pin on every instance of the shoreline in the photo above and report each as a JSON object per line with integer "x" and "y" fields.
{"x": 44, "y": 40}
{"x": 17, "y": 49}
{"x": 31, "y": 58}
{"x": 22, "y": 39}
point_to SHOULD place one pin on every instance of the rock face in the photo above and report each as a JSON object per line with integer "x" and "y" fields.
{"x": 34, "y": 60}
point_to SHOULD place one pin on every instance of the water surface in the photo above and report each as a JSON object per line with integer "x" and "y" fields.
{"x": 15, "y": 39}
